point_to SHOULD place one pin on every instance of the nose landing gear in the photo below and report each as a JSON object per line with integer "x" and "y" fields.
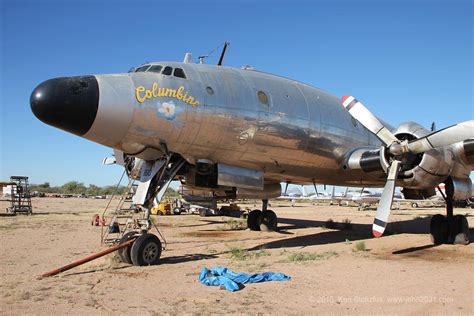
{"x": 154, "y": 180}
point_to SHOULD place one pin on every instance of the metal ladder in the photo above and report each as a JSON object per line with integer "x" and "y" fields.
{"x": 120, "y": 216}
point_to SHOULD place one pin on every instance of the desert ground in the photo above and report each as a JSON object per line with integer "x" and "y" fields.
{"x": 335, "y": 266}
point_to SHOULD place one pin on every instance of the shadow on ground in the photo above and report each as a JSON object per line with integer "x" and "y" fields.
{"x": 186, "y": 258}
{"x": 328, "y": 237}
{"x": 339, "y": 234}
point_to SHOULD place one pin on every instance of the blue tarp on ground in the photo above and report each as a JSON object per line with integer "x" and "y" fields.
{"x": 232, "y": 281}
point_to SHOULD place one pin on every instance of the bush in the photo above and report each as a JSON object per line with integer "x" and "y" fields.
{"x": 243, "y": 254}
{"x": 330, "y": 224}
{"x": 360, "y": 246}
{"x": 308, "y": 256}
{"x": 236, "y": 224}
{"x": 346, "y": 224}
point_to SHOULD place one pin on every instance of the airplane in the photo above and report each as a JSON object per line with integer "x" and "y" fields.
{"x": 367, "y": 198}
{"x": 295, "y": 194}
{"x": 239, "y": 133}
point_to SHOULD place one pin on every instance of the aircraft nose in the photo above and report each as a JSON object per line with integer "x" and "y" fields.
{"x": 68, "y": 103}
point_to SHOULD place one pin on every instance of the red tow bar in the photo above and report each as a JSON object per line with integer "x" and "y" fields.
{"x": 86, "y": 259}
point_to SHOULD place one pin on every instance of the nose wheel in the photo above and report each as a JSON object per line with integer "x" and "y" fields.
{"x": 146, "y": 250}
{"x": 124, "y": 253}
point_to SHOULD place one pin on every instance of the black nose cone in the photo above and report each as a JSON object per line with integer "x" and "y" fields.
{"x": 68, "y": 103}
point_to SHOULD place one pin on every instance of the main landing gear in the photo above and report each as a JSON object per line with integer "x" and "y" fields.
{"x": 264, "y": 220}
{"x": 449, "y": 229}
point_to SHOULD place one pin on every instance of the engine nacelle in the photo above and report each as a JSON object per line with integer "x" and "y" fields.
{"x": 465, "y": 153}
{"x": 419, "y": 171}
{"x": 462, "y": 189}
{"x": 425, "y": 170}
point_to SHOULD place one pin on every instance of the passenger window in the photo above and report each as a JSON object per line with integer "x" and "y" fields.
{"x": 178, "y": 72}
{"x": 156, "y": 68}
{"x": 262, "y": 97}
{"x": 167, "y": 71}
{"x": 142, "y": 68}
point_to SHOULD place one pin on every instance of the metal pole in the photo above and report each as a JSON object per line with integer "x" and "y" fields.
{"x": 87, "y": 259}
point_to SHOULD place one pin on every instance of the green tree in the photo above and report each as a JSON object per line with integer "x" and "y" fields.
{"x": 93, "y": 190}
{"x": 107, "y": 190}
{"x": 44, "y": 185}
{"x": 170, "y": 192}
{"x": 73, "y": 187}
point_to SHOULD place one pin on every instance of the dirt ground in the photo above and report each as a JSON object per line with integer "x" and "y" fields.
{"x": 400, "y": 273}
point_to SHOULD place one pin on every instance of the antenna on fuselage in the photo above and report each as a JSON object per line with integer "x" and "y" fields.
{"x": 224, "y": 49}
{"x": 201, "y": 59}
{"x": 221, "y": 59}
{"x": 188, "y": 58}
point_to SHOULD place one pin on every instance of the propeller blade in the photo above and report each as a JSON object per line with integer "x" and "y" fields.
{"x": 368, "y": 120}
{"x": 385, "y": 203}
{"x": 443, "y": 137}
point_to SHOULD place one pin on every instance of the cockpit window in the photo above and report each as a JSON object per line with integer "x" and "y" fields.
{"x": 142, "y": 68}
{"x": 155, "y": 68}
{"x": 167, "y": 71}
{"x": 178, "y": 72}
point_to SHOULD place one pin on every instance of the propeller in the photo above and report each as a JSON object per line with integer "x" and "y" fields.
{"x": 385, "y": 203}
{"x": 443, "y": 137}
{"x": 368, "y": 120}
{"x": 397, "y": 148}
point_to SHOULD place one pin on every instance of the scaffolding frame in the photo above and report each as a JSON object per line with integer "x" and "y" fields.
{"x": 20, "y": 197}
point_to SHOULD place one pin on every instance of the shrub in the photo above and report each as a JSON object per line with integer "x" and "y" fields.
{"x": 360, "y": 246}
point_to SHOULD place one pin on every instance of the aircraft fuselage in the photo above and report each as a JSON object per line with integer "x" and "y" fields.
{"x": 240, "y": 117}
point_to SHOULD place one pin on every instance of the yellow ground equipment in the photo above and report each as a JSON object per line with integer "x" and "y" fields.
{"x": 164, "y": 208}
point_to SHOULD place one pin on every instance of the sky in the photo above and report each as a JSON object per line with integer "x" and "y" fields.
{"x": 405, "y": 60}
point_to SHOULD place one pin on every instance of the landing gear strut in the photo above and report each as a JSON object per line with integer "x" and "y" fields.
{"x": 449, "y": 229}
{"x": 264, "y": 220}
{"x": 155, "y": 178}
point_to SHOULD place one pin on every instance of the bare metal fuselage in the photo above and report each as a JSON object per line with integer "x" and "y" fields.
{"x": 301, "y": 134}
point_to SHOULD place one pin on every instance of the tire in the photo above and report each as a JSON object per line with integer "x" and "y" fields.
{"x": 177, "y": 211}
{"x": 459, "y": 230}
{"x": 414, "y": 205}
{"x": 252, "y": 220}
{"x": 202, "y": 212}
{"x": 124, "y": 253}
{"x": 268, "y": 221}
{"x": 439, "y": 229}
{"x": 146, "y": 250}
